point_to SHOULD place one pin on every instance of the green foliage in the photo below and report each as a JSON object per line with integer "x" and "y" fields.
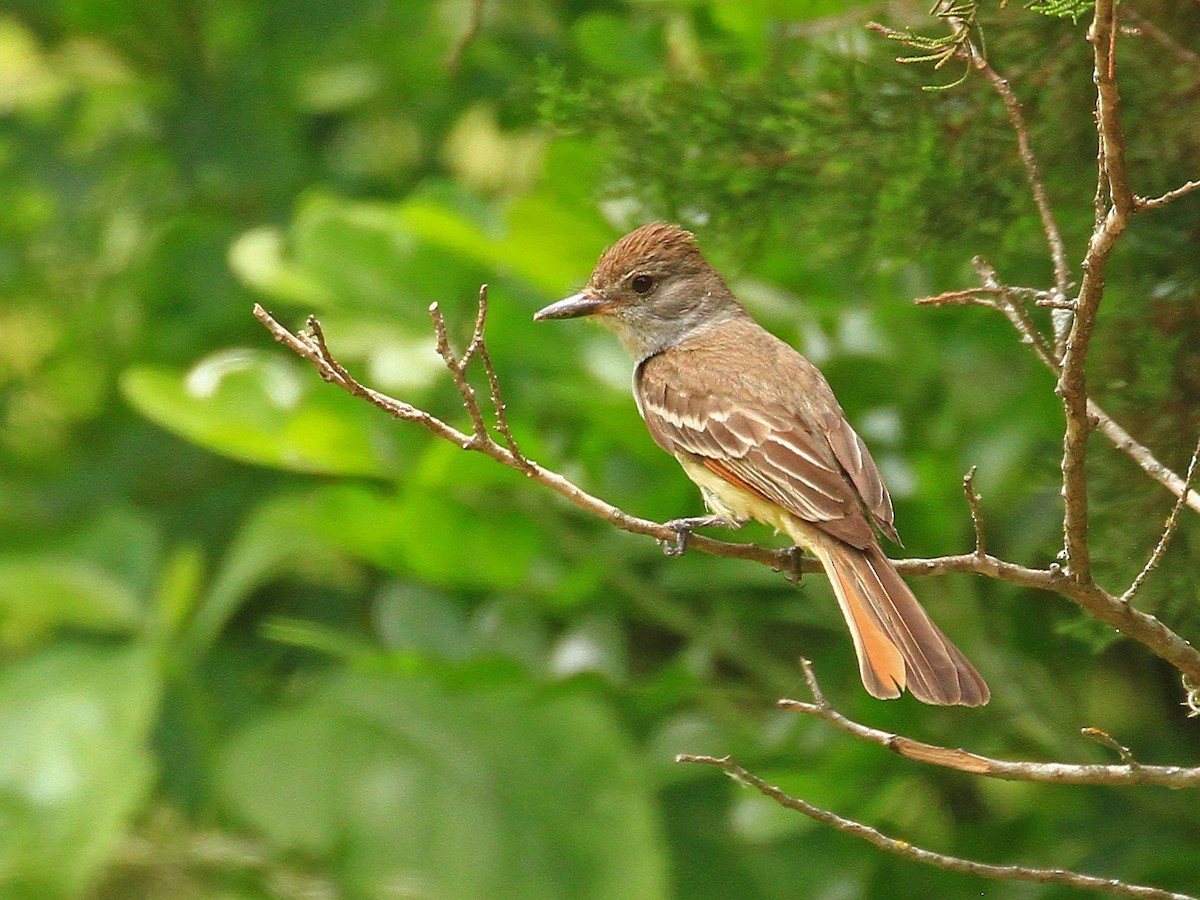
{"x": 486, "y": 791}
{"x": 1062, "y": 9}
{"x": 259, "y": 640}
{"x": 962, "y": 19}
{"x": 75, "y": 765}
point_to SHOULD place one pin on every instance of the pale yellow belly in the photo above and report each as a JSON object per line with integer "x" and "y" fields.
{"x": 731, "y": 502}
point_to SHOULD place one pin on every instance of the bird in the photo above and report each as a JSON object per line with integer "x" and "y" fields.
{"x": 757, "y": 427}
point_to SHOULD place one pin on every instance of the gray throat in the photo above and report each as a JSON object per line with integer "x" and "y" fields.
{"x": 647, "y": 335}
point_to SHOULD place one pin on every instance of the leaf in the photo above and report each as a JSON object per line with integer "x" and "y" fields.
{"x": 39, "y": 593}
{"x": 425, "y": 532}
{"x": 506, "y": 792}
{"x": 74, "y": 763}
{"x": 259, "y": 407}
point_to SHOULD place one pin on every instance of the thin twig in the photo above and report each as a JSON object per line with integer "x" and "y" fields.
{"x": 1055, "y": 303}
{"x": 917, "y": 854}
{"x": 1104, "y": 739}
{"x": 967, "y": 297}
{"x": 498, "y": 405}
{"x": 1183, "y": 54}
{"x": 985, "y": 295}
{"x": 1140, "y": 454}
{"x": 1157, "y": 202}
{"x": 976, "y": 511}
{"x": 1131, "y": 773}
{"x": 1168, "y": 531}
{"x": 1016, "y": 314}
{"x": 458, "y": 369}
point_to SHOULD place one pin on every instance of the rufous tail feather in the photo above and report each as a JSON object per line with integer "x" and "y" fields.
{"x": 898, "y": 645}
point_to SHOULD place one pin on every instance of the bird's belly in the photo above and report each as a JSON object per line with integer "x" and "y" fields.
{"x": 734, "y": 503}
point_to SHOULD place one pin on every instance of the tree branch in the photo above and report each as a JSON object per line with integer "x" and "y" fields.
{"x": 311, "y": 345}
{"x": 908, "y": 851}
{"x": 1072, "y": 382}
{"x": 1131, "y": 773}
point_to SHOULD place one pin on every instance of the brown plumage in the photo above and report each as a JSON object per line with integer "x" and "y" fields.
{"x": 758, "y": 428}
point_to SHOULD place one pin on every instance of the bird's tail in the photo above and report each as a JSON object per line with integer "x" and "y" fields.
{"x": 898, "y": 645}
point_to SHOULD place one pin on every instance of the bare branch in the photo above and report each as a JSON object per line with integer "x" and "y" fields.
{"x": 315, "y": 352}
{"x": 1183, "y": 54}
{"x": 1104, "y": 423}
{"x": 1131, "y": 773}
{"x": 497, "y": 399}
{"x": 1103, "y": 37}
{"x": 1168, "y": 531}
{"x": 1055, "y": 303}
{"x": 980, "y": 296}
{"x": 928, "y": 857}
{"x": 1072, "y": 382}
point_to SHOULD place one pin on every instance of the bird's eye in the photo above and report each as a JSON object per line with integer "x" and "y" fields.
{"x": 641, "y": 284}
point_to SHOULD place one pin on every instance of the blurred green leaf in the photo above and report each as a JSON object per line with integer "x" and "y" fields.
{"x": 414, "y": 619}
{"x": 75, "y": 763}
{"x": 499, "y": 793}
{"x": 41, "y": 593}
{"x": 260, "y": 407}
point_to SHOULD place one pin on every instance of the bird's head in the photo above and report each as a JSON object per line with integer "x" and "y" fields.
{"x": 653, "y": 288}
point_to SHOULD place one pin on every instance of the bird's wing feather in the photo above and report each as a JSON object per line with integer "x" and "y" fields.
{"x": 856, "y": 461}
{"x": 765, "y": 448}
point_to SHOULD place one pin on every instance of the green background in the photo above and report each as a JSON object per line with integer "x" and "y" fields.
{"x": 258, "y": 640}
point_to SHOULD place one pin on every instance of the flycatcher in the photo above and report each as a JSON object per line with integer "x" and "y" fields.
{"x": 756, "y": 426}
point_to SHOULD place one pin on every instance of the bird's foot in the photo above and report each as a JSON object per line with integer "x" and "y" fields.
{"x": 683, "y": 530}
{"x": 793, "y": 566}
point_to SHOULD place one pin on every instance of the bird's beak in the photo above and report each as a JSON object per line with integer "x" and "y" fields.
{"x": 581, "y": 304}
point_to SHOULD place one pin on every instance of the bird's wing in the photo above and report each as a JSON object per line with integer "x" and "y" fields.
{"x": 856, "y": 461}
{"x": 769, "y": 450}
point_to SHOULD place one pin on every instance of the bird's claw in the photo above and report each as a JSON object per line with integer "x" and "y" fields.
{"x": 683, "y": 530}
{"x": 793, "y": 567}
